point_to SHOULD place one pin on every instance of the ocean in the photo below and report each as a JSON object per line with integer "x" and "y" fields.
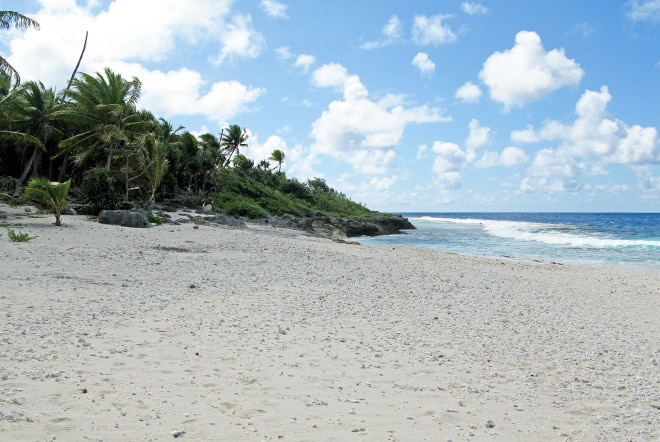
{"x": 612, "y": 239}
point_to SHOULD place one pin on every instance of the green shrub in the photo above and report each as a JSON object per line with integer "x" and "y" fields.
{"x": 98, "y": 191}
{"x": 155, "y": 219}
{"x": 243, "y": 207}
{"x": 17, "y": 236}
{"x": 295, "y": 188}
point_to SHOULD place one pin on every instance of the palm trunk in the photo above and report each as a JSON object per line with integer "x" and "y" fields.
{"x": 28, "y": 166}
{"x": 65, "y": 163}
{"x": 108, "y": 161}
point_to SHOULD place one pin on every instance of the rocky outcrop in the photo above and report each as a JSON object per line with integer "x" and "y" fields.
{"x": 343, "y": 227}
{"x": 125, "y": 218}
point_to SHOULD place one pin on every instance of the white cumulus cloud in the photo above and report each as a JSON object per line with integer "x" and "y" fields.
{"x": 305, "y": 61}
{"x": 587, "y": 145}
{"x": 469, "y": 93}
{"x": 478, "y": 135}
{"x": 513, "y": 157}
{"x": 432, "y": 31}
{"x": 422, "y": 62}
{"x": 527, "y": 72}
{"x": 184, "y": 92}
{"x": 450, "y": 160}
{"x": 240, "y": 40}
{"x": 597, "y": 134}
{"x": 359, "y": 130}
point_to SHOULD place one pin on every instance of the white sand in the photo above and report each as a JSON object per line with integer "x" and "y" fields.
{"x": 288, "y": 337}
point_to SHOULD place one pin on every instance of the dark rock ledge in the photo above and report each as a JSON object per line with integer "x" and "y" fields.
{"x": 322, "y": 226}
{"x": 340, "y": 228}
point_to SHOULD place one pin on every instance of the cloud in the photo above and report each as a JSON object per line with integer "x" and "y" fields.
{"x": 449, "y": 162}
{"x": 371, "y": 162}
{"x": 284, "y": 53}
{"x": 432, "y": 31}
{"x": 382, "y": 183}
{"x": 330, "y": 75}
{"x": 527, "y": 73}
{"x": 588, "y": 145}
{"x": 239, "y": 40}
{"x": 305, "y": 61}
{"x": 51, "y": 53}
{"x": 274, "y": 9}
{"x": 478, "y": 136}
{"x": 509, "y": 157}
{"x": 525, "y": 136}
{"x": 261, "y": 151}
{"x": 358, "y": 130}
{"x": 648, "y": 181}
{"x": 468, "y": 93}
{"x": 391, "y": 32}
{"x": 488, "y": 159}
{"x": 596, "y": 134}
{"x": 422, "y": 62}
{"x": 184, "y": 92}
{"x": 552, "y": 171}
{"x": 513, "y": 157}
{"x": 472, "y": 8}
{"x": 648, "y": 10}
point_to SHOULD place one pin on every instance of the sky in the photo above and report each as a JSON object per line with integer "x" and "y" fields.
{"x": 433, "y": 106}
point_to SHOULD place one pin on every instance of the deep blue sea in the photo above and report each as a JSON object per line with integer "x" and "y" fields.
{"x": 619, "y": 239}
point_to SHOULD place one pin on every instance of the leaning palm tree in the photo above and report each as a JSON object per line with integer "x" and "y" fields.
{"x": 9, "y": 19}
{"x": 10, "y": 136}
{"x": 51, "y": 194}
{"x": 105, "y": 107}
{"x": 34, "y": 116}
{"x": 232, "y": 140}
{"x": 278, "y": 157}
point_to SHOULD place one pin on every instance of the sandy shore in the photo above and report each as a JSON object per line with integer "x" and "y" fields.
{"x": 208, "y": 333}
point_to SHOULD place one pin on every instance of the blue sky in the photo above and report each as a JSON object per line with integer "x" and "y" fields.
{"x": 403, "y": 106}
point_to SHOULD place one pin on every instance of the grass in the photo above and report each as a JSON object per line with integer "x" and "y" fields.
{"x": 18, "y": 236}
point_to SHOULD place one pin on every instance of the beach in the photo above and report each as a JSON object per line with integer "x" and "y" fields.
{"x": 202, "y": 332}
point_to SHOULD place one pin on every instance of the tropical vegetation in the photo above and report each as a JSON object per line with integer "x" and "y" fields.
{"x": 91, "y": 144}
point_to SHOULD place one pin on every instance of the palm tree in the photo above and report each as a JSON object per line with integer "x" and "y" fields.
{"x": 156, "y": 164}
{"x": 9, "y": 19}
{"x": 34, "y": 115}
{"x": 10, "y": 137}
{"x": 232, "y": 141}
{"x": 278, "y": 157}
{"x": 51, "y": 194}
{"x": 105, "y": 108}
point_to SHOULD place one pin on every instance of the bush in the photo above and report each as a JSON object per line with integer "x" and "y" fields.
{"x": 295, "y": 188}
{"x": 155, "y": 219}
{"x": 243, "y": 207}
{"x": 98, "y": 191}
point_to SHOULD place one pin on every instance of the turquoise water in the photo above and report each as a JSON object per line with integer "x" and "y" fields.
{"x": 587, "y": 238}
